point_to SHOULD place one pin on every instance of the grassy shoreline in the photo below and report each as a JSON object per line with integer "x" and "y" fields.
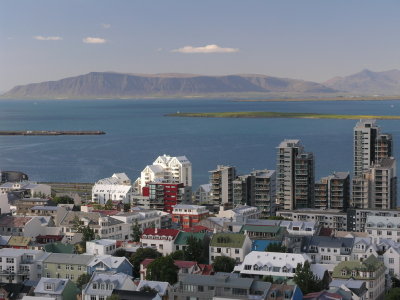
{"x": 268, "y": 114}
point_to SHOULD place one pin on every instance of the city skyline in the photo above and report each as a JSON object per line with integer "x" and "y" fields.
{"x": 314, "y": 41}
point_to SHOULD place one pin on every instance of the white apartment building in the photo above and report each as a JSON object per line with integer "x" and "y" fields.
{"x": 115, "y": 188}
{"x": 258, "y": 264}
{"x": 391, "y": 256}
{"x": 33, "y": 188}
{"x": 168, "y": 169}
{"x": 17, "y": 265}
{"x": 328, "y": 250}
{"x": 234, "y": 245}
{"x": 144, "y": 218}
{"x": 240, "y": 213}
{"x": 101, "y": 247}
{"x": 382, "y": 227}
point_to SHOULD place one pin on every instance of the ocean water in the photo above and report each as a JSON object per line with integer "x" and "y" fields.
{"x": 137, "y": 132}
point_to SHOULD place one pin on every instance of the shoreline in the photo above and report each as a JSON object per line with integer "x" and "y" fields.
{"x": 49, "y": 132}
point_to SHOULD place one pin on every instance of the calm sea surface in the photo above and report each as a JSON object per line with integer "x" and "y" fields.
{"x": 138, "y": 131}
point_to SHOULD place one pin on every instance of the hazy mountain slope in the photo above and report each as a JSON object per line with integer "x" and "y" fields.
{"x": 367, "y": 82}
{"x": 108, "y": 84}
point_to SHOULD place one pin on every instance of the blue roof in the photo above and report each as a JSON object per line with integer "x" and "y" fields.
{"x": 261, "y": 245}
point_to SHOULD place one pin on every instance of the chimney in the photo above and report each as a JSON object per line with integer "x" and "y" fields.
{"x": 156, "y": 230}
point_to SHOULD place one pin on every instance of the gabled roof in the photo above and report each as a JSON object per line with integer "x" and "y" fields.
{"x": 113, "y": 262}
{"x": 59, "y": 286}
{"x": 232, "y": 240}
{"x": 160, "y": 286}
{"x": 14, "y": 221}
{"x": 72, "y": 259}
{"x": 161, "y": 232}
{"x": 183, "y": 237}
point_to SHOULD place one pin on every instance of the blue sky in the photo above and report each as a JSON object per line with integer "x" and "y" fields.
{"x": 312, "y": 40}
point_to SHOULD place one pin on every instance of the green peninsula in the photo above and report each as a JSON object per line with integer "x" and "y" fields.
{"x": 269, "y": 114}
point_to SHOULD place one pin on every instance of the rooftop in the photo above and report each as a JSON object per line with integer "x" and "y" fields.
{"x": 233, "y": 240}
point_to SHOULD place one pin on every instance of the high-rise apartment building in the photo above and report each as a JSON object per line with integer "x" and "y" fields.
{"x": 221, "y": 180}
{"x": 333, "y": 191}
{"x": 294, "y": 176}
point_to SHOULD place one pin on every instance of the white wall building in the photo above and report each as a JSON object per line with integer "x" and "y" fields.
{"x": 145, "y": 218}
{"x": 160, "y": 239}
{"x": 240, "y": 213}
{"x": 258, "y": 264}
{"x": 101, "y": 247}
{"x": 115, "y": 188}
{"x": 234, "y": 245}
{"x": 382, "y": 227}
{"x": 168, "y": 169}
{"x": 33, "y": 188}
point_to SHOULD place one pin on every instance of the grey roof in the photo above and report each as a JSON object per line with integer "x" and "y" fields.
{"x": 93, "y": 218}
{"x": 72, "y": 259}
{"x": 117, "y": 279}
{"x": 386, "y": 163}
{"x": 329, "y": 242}
{"x": 48, "y": 208}
{"x": 160, "y": 286}
{"x": 219, "y": 279}
{"x": 59, "y": 283}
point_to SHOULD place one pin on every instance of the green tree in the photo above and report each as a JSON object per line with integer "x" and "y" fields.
{"x": 393, "y": 294}
{"x": 127, "y": 207}
{"x": 82, "y": 280}
{"x": 275, "y": 247}
{"x": 163, "y": 268}
{"x": 223, "y": 264}
{"x": 63, "y": 200}
{"x": 136, "y": 232}
{"x": 306, "y": 280}
{"x": 109, "y": 205}
{"x": 178, "y": 255}
{"x": 140, "y": 255}
{"x": 120, "y": 253}
{"x": 194, "y": 249}
{"x": 113, "y": 297}
{"x": 268, "y": 278}
{"x": 146, "y": 288}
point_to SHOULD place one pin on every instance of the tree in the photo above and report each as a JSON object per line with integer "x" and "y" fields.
{"x": 395, "y": 282}
{"x": 306, "y": 280}
{"x": 223, "y": 264}
{"x": 194, "y": 249}
{"x": 63, "y": 200}
{"x": 275, "y": 247}
{"x": 121, "y": 253}
{"x": 113, "y": 297}
{"x": 109, "y": 205}
{"x": 82, "y": 280}
{"x": 88, "y": 233}
{"x": 268, "y": 278}
{"x": 140, "y": 255}
{"x": 163, "y": 268}
{"x": 127, "y": 207}
{"x": 136, "y": 232}
{"x": 147, "y": 288}
{"x": 178, "y": 255}
{"x": 393, "y": 294}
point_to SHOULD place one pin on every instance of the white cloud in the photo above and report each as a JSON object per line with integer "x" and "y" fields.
{"x": 94, "y": 40}
{"x": 47, "y": 38}
{"x": 205, "y": 49}
{"x": 106, "y": 26}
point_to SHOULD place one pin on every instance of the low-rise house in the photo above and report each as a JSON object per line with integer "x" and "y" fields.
{"x": 357, "y": 288}
{"x": 181, "y": 240}
{"x": 24, "y": 206}
{"x": 273, "y": 233}
{"x": 328, "y": 250}
{"x": 187, "y": 215}
{"x": 18, "y": 265}
{"x": 104, "y": 227}
{"x": 240, "y": 213}
{"x": 258, "y": 264}
{"x": 370, "y": 270}
{"x": 102, "y": 285}
{"x": 363, "y": 247}
{"x": 101, "y": 247}
{"x": 68, "y": 266}
{"x": 144, "y": 218}
{"x": 161, "y": 287}
{"x": 49, "y": 238}
{"x": 60, "y": 289}
{"x": 184, "y": 267}
{"x": 28, "y": 188}
{"x": 382, "y": 227}
{"x": 234, "y": 245}
{"x": 108, "y": 263}
{"x": 284, "y": 291}
{"x": 160, "y": 239}
{"x": 219, "y": 286}
{"x": 24, "y": 226}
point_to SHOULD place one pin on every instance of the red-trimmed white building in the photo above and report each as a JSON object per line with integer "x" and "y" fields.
{"x": 189, "y": 215}
{"x": 160, "y": 239}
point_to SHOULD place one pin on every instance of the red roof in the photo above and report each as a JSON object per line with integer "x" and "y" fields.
{"x": 206, "y": 269}
{"x": 323, "y": 295}
{"x": 197, "y": 228}
{"x": 325, "y": 232}
{"x": 179, "y": 263}
{"x": 161, "y": 232}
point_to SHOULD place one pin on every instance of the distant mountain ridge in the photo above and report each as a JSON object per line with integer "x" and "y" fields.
{"x": 368, "y": 82}
{"x": 110, "y": 84}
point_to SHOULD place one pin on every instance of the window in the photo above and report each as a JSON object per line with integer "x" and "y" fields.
{"x": 344, "y": 272}
{"x": 79, "y": 268}
{"x": 200, "y": 288}
{"x": 94, "y": 286}
{"x": 48, "y": 286}
{"x": 391, "y": 260}
{"x": 237, "y": 251}
{"x": 93, "y": 297}
{"x": 10, "y": 260}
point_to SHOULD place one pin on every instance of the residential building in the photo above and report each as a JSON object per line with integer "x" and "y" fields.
{"x": 382, "y": 227}
{"x": 327, "y": 250}
{"x": 189, "y": 215}
{"x": 184, "y": 267}
{"x": 241, "y": 213}
{"x": 221, "y": 180}
{"x": 390, "y": 253}
{"x": 328, "y": 218}
{"x": 301, "y": 228}
{"x": 144, "y": 218}
{"x": 101, "y": 247}
{"x": 24, "y": 226}
{"x": 357, "y": 217}
{"x": 109, "y": 263}
{"x": 102, "y": 285}
{"x": 28, "y": 188}
{"x": 383, "y": 146}
{"x": 333, "y": 191}
{"x": 68, "y": 266}
{"x": 18, "y": 265}
{"x": 160, "y": 239}
{"x": 234, "y": 245}
{"x": 162, "y": 288}
{"x": 258, "y": 264}
{"x": 58, "y": 288}
{"x": 164, "y": 196}
{"x": 202, "y": 194}
{"x": 219, "y": 286}
{"x": 25, "y": 205}
{"x": 294, "y": 176}
{"x": 115, "y": 188}
{"x": 284, "y": 291}
{"x": 181, "y": 240}
{"x": 167, "y": 169}
{"x": 370, "y": 270}
{"x": 260, "y": 232}
{"x": 357, "y": 288}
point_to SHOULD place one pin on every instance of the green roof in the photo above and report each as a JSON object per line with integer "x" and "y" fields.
{"x": 233, "y": 240}
{"x": 182, "y": 237}
{"x": 371, "y": 264}
{"x": 59, "y": 248}
{"x": 259, "y": 228}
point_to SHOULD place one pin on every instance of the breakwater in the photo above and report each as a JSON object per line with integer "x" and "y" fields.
{"x": 50, "y": 132}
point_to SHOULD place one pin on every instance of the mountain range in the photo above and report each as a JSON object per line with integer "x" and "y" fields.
{"x": 119, "y": 85}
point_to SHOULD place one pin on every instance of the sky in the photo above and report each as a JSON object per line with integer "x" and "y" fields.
{"x": 311, "y": 39}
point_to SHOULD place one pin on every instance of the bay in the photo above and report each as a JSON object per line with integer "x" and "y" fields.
{"x": 138, "y": 132}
